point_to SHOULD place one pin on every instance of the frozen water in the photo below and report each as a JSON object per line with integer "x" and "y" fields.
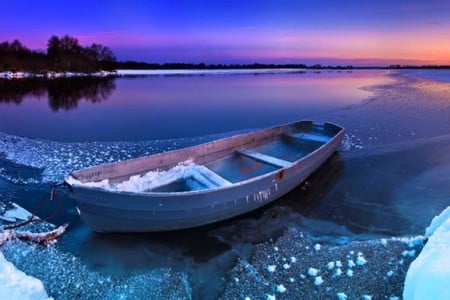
{"x": 65, "y": 277}
{"x": 441, "y": 75}
{"x": 58, "y": 159}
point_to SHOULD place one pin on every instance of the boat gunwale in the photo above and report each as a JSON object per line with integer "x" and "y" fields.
{"x": 214, "y": 189}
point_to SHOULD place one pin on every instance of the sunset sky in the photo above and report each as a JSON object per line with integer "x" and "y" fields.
{"x": 295, "y": 31}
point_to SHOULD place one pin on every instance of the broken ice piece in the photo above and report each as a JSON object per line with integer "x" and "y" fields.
{"x": 281, "y": 288}
{"x": 318, "y": 280}
{"x": 312, "y": 272}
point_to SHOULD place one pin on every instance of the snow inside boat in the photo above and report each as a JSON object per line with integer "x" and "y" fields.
{"x": 202, "y": 184}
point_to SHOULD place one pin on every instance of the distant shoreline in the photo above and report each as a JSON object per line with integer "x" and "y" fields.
{"x": 419, "y": 72}
{"x": 52, "y": 75}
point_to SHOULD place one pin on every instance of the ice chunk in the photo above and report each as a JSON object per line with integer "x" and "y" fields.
{"x": 350, "y": 273}
{"x": 338, "y": 264}
{"x": 271, "y": 268}
{"x": 312, "y": 272}
{"x": 281, "y": 288}
{"x": 293, "y": 259}
{"x": 318, "y": 280}
{"x": 270, "y": 297}
{"x": 317, "y": 247}
{"x": 15, "y": 284}
{"x": 366, "y": 297}
{"x": 17, "y": 212}
{"x": 351, "y": 263}
{"x": 360, "y": 260}
{"x": 428, "y": 275}
{"x": 342, "y": 296}
{"x": 330, "y": 265}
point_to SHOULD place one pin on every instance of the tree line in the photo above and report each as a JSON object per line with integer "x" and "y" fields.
{"x": 64, "y": 54}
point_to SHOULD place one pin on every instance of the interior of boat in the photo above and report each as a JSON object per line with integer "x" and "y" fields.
{"x": 248, "y": 163}
{"x": 217, "y": 164}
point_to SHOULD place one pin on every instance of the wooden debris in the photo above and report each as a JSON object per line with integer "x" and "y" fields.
{"x": 43, "y": 238}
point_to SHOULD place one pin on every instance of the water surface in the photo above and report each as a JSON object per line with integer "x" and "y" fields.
{"x": 161, "y": 107}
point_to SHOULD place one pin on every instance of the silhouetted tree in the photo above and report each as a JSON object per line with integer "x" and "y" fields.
{"x": 63, "y": 54}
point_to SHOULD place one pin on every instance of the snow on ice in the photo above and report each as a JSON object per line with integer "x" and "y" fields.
{"x": 428, "y": 276}
{"x": 15, "y": 284}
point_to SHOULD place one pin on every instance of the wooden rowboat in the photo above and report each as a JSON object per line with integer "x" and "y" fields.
{"x": 201, "y": 184}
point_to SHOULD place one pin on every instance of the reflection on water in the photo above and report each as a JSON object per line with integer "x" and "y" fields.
{"x": 62, "y": 93}
{"x": 162, "y": 107}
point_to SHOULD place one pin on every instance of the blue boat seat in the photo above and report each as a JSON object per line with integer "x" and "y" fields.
{"x": 208, "y": 178}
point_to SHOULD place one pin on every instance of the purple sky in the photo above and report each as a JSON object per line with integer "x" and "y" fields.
{"x": 327, "y": 32}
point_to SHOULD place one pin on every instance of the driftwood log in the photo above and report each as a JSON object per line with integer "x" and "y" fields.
{"x": 43, "y": 238}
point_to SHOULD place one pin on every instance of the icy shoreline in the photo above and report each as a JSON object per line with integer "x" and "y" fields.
{"x": 51, "y": 75}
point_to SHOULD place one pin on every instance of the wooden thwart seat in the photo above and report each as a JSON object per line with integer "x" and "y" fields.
{"x": 265, "y": 158}
{"x": 209, "y": 178}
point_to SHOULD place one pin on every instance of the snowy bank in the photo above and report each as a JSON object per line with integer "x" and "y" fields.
{"x": 15, "y": 284}
{"x": 428, "y": 276}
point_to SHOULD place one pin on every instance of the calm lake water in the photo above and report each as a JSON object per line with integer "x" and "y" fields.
{"x": 161, "y": 107}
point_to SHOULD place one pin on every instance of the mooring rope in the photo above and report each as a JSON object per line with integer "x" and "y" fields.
{"x": 53, "y": 195}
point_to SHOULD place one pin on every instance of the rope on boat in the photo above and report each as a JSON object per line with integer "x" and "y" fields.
{"x": 53, "y": 195}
